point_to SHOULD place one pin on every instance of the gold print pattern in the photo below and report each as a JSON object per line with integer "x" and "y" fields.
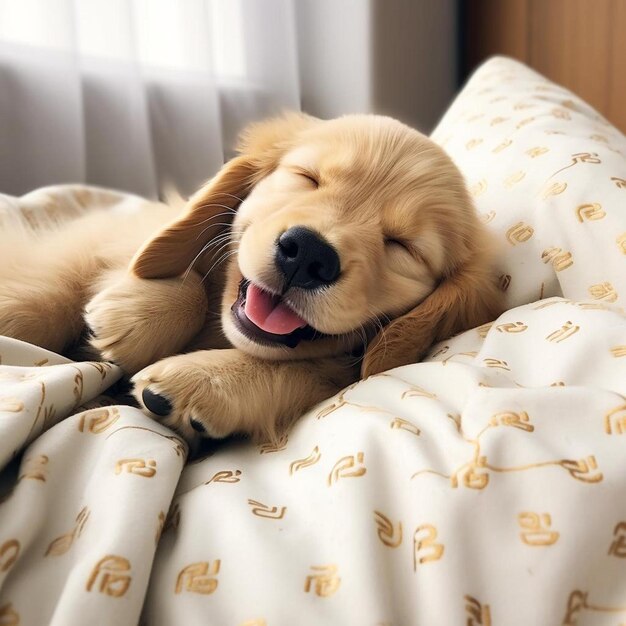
{"x": 497, "y": 120}
{"x": 483, "y": 330}
{"x": 415, "y": 391}
{"x": 9, "y": 553}
{"x": 440, "y": 352}
{"x": 603, "y": 291}
{"x": 580, "y": 157}
{"x": 324, "y": 580}
{"x": 519, "y": 233}
{"x": 139, "y": 467}
{"x": 300, "y": 464}
{"x": 350, "y": 466}
{"x": 520, "y": 421}
{"x": 524, "y": 122}
{"x": 501, "y": 146}
{"x": 274, "y": 446}
{"x": 337, "y": 404}
{"x": 513, "y": 179}
{"x": 11, "y": 405}
{"x": 425, "y": 546}
{"x": 62, "y": 544}
{"x": 97, "y": 421}
{"x": 560, "y": 114}
{"x": 533, "y": 153}
{"x": 479, "y": 188}
{"x": 388, "y": 533}
{"x": 618, "y": 546}
{"x": 402, "y": 424}
{"x": 621, "y": 242}
{"x": 34, "y": 468}
{"x": 565, "y": 332}
{"x": 8, "y": 615}
{"x": 497, "y": 364}
{"x": 477, "y": 614}
{"x": 512, "y": 327}
{"x": 535, "y": 529}
{"x": 554, "y": 189}
{"x": 225, "y": 476}
{"x": 198, "y": 578}
{"x": 589, "y": 212}
{"x": 582, "y": 469}
{"x": 180, "y": 447}
{"x": 472, "y": 143}
{"x": 113, "y": 574}
{"x": 618, "y": 351}
{"x": 619, "y": 182}
{"x": 570, "y": 104}
{"x": 559, "y": 258}
{"x": 265, "y": 510}
{"x": 578, "y": 602}
{"x": 615, "y": 421}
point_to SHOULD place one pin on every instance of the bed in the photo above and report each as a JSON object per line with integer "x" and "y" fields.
{"x": 483, "y": 486}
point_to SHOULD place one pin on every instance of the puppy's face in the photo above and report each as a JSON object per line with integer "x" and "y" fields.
{"x": 344, "y": 226}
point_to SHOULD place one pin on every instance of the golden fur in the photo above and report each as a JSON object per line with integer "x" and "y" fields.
{"x": 416, "y": 267}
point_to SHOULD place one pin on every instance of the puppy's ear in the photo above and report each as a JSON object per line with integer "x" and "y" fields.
{"x": 468, "y": 297}
{"x": 211, "y": 209}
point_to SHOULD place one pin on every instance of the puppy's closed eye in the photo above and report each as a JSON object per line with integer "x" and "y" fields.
{"x": 311, "y": 177}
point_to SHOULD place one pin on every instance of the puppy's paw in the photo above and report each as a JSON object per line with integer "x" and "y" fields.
{"x": 194, "y": 394}
{"x": 134, "y": 322}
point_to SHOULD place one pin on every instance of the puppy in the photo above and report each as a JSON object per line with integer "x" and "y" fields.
{"x": 324, "y": 251}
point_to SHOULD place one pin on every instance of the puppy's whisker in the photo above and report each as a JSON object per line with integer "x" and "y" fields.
{"x": 225, "y": 237}
{"x": 230, "y": 195}
{"x": 218, "y": 262}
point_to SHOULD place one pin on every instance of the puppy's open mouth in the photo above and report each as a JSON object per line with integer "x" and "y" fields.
{"x": 267, "y": 319}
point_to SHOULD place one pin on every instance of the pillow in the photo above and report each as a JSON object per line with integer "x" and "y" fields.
{"x": 548, "y": 175}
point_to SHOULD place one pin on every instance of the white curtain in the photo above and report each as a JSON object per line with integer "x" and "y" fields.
{"x": 137, "y": 94}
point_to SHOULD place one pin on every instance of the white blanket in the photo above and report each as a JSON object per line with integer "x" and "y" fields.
{"x": 485, "y": 486}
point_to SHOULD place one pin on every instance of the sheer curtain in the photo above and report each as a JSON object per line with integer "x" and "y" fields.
{"x": 137, "y": 94}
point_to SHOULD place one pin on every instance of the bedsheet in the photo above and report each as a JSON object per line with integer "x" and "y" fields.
{"x": 483, "y": 486}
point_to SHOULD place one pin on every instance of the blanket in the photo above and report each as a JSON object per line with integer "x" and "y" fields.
{"x": 482, "y": 486}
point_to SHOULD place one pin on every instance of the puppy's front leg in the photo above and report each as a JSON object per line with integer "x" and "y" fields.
{"x": 136, "y": 322}
{"x": 221, "y": 392}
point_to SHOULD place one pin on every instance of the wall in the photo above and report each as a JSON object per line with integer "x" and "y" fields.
{"x": 577, "y": 43}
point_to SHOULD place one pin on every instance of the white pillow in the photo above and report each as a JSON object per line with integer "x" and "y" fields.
{"x": 548, "y": 175}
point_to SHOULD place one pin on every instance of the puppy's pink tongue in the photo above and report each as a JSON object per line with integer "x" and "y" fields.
{"x": 269, "y": 313}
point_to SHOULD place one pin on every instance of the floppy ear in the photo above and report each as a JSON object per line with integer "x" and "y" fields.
{"x": 465, "y": 299}
{"x": 172, "y": 250}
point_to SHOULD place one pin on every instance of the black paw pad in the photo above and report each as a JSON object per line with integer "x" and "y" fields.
{"x": 159, "y": 405}
{"x": 197, "y": 426}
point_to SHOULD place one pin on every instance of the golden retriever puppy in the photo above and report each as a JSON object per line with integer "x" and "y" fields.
{"x": 325, "y": 251}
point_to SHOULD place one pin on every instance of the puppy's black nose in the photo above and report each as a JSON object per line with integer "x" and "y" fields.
{"x": 305, "y": 259}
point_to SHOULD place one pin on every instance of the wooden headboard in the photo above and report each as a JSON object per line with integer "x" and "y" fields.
{"x": 580, "y": 44}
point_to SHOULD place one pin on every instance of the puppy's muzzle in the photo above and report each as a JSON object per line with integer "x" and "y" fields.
{"x": 306, "y": 259}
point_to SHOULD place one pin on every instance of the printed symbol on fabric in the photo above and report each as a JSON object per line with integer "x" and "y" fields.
{"x": 198, "y": 578}
{"x": 425, "y": 546}
{"x": 110, "y": 576}
{"x": 139, "y": 467}
{"x": 388, "y": 532}
{"x": 324, "y": 581}
{"x": 535, "y": 529}
{"x": 350, "y": 466}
